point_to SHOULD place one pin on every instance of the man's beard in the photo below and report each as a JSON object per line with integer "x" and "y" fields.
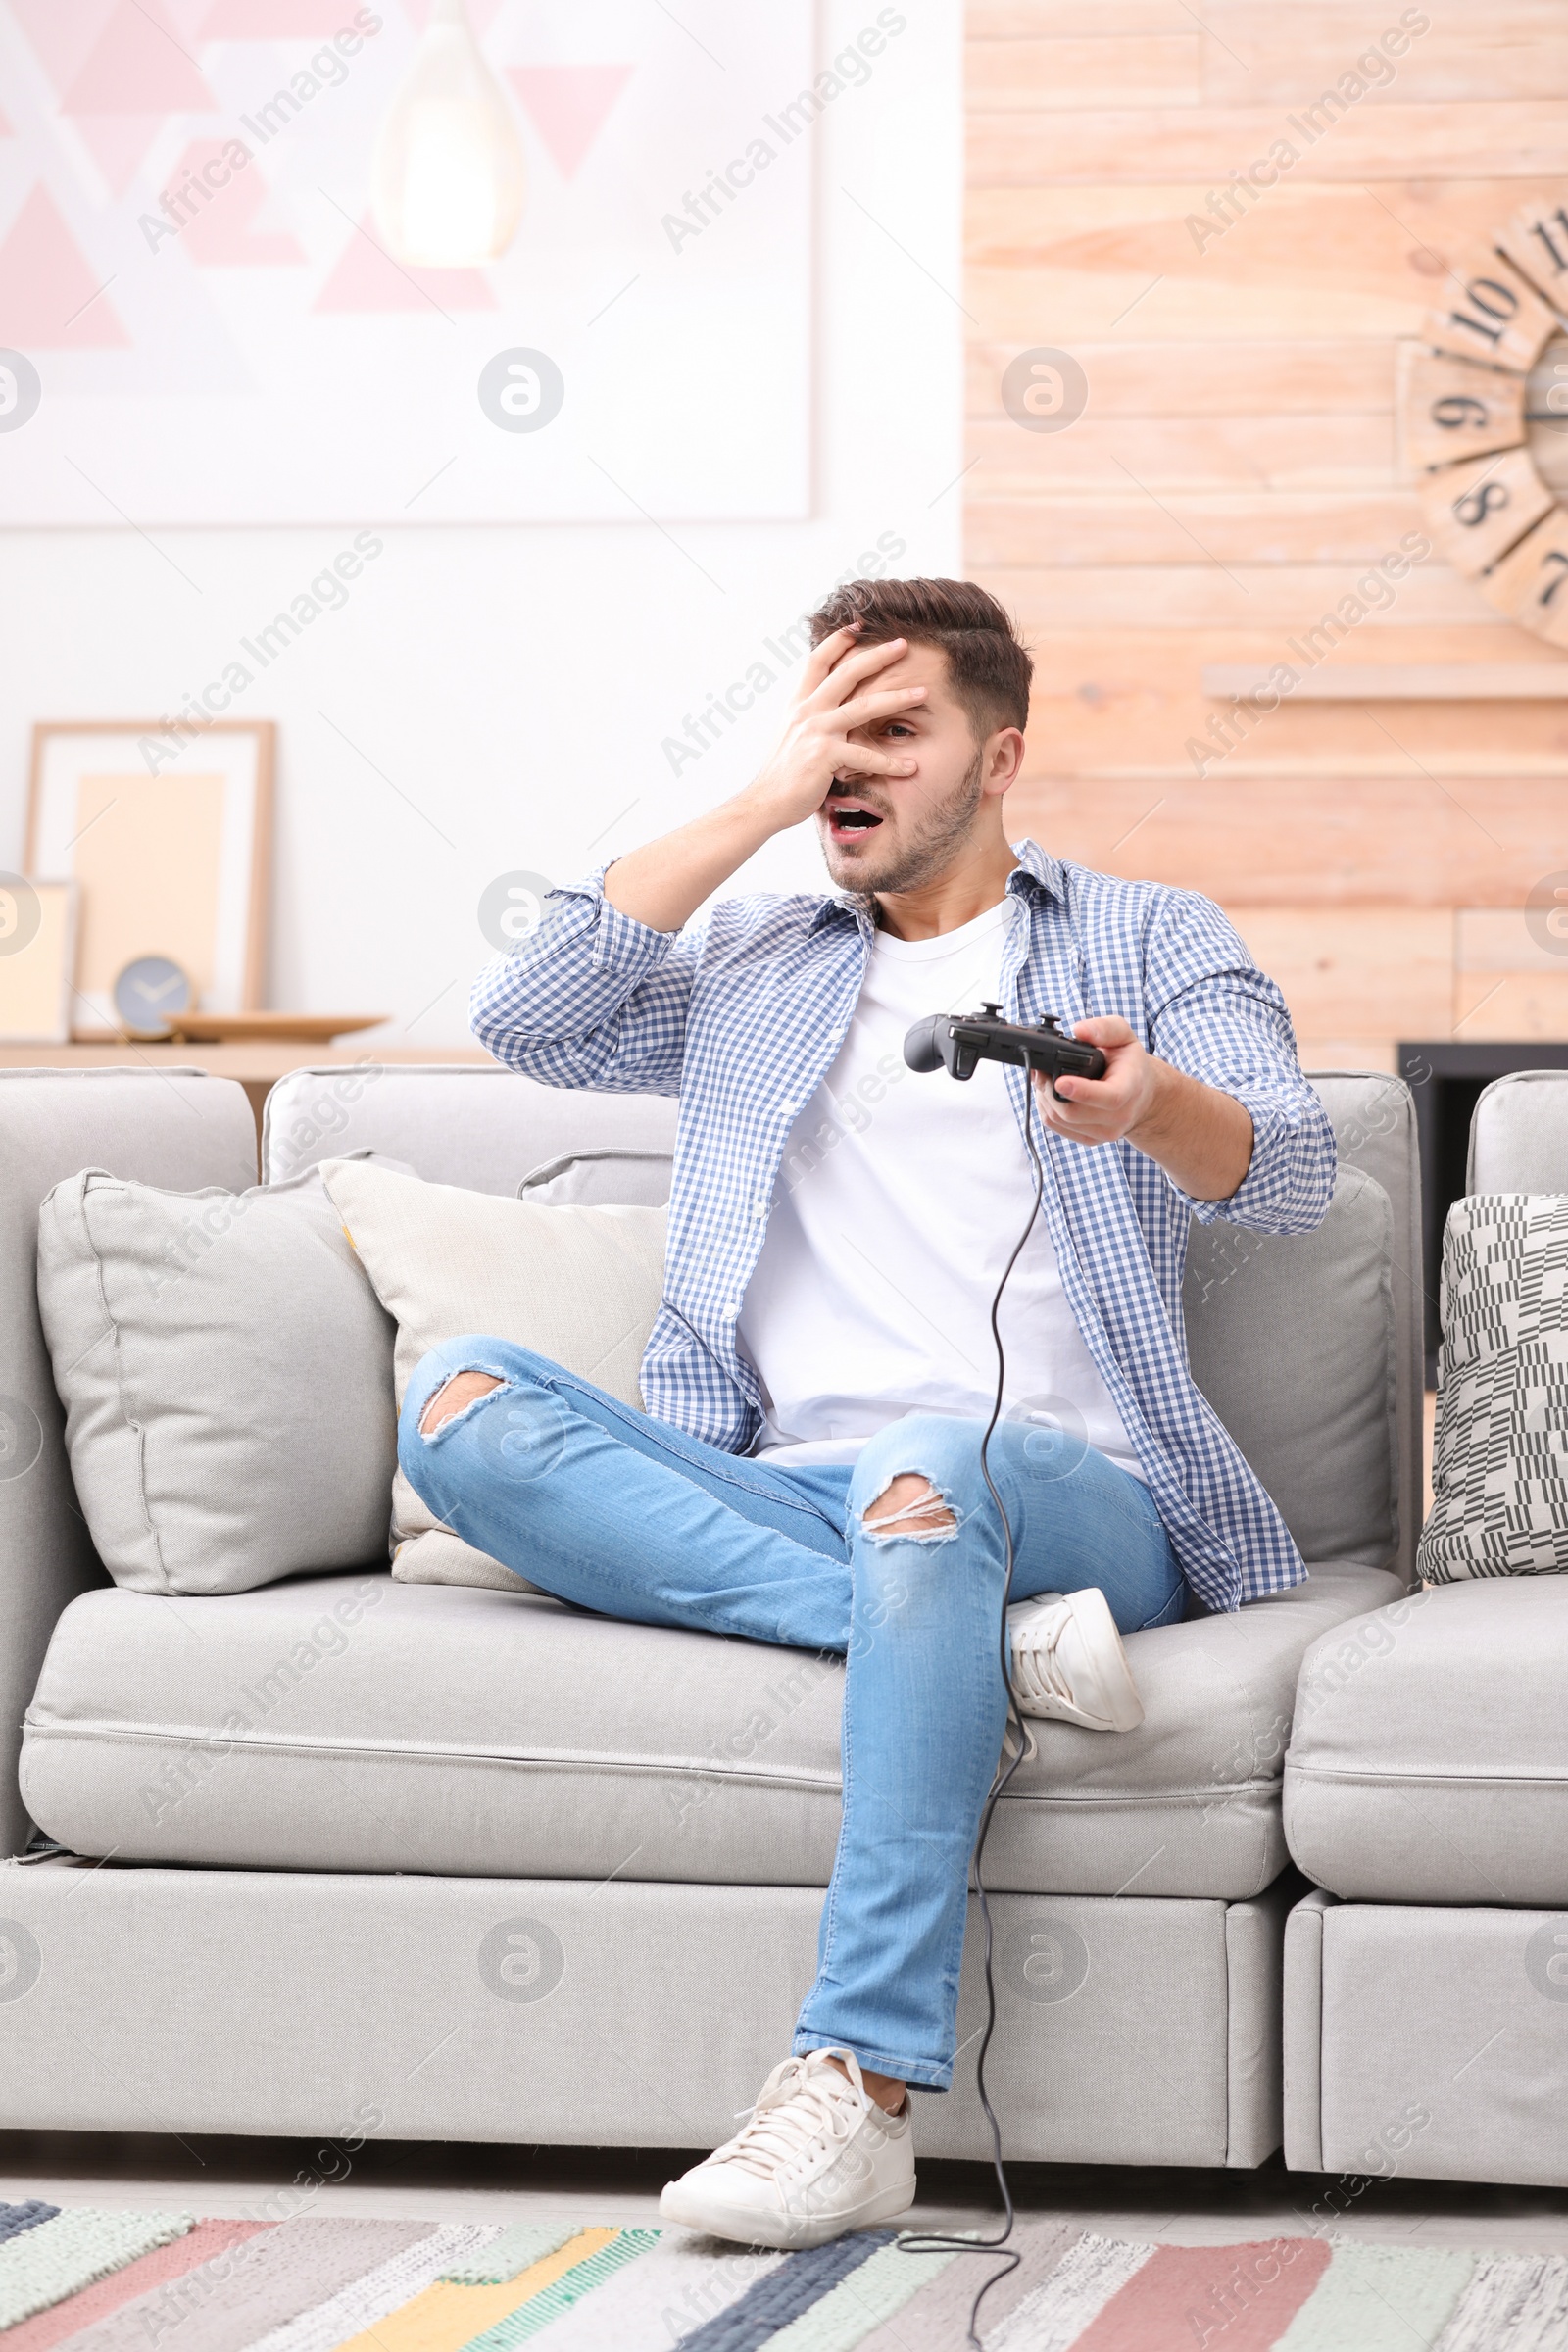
{"x": 926, "y": 853}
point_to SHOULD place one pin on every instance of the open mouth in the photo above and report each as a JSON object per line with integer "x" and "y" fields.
{"x": 850, "y": 820}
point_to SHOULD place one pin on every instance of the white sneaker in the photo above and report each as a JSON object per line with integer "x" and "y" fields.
{"x": 1069, "y": 1662}
{"x": 817, "y": 2158}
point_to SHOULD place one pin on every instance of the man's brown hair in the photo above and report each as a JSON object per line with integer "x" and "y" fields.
{"x": 988, "y": 666}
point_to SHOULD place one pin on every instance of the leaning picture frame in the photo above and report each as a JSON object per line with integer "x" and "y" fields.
{"x": 37, "y": 960}
{"x": 167, "y": 834}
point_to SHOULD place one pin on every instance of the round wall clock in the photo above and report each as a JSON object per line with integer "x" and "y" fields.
{"x": 149, "y": 990}
{"x": 1484, "y": 419}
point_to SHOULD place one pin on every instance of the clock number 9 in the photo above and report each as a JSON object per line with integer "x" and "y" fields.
{"x": 1459, "y": 408}
{"x": 1478, "y": 503}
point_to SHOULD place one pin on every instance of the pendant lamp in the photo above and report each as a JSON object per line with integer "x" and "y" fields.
{"x": 447, "y": 176}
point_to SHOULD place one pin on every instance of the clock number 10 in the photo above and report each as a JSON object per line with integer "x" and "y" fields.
{"x": 1494, "y": 301}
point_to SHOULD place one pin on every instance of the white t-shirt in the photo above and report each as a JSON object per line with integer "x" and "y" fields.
{"x": 896, "y": 1206}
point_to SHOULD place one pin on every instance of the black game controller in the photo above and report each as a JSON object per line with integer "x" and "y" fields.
{"x": 960, "y": 1040}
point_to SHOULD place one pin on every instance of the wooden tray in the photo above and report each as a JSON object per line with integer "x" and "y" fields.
{"x": 249, "y": 1028}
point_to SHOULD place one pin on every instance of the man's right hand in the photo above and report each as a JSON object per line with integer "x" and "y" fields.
{"x": 663, "y": 883}
{"x": 834, "y": 697}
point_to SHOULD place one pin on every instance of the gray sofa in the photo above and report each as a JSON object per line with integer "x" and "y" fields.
{"x": 482, "y": 1868}
{"x": 1425, "y": 1794}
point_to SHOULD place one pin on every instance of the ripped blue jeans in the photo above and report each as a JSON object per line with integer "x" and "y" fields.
{"x": 623, "y": 1514}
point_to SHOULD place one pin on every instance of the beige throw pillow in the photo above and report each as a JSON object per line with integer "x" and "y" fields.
{"x": 581, "y": 1285}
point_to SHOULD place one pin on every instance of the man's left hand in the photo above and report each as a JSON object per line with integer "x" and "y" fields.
{"x": 1201, "y": 1137}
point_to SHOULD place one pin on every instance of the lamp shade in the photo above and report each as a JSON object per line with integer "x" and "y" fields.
{"x": 447, "y": 178}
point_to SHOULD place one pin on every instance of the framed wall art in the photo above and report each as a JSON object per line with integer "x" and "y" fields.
{"x": 38, "y": 961}
{"x": 192, "y": 265}
{"x": 170, "y": 854}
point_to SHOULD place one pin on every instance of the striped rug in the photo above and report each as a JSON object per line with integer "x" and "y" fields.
{"x": 117, "y": 2282}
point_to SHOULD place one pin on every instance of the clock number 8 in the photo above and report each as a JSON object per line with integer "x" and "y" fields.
{"x": 1459, "y": 408}
{"x": 1478, "y": 503}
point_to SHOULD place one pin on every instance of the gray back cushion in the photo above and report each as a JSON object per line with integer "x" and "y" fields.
{"x": 1292, "y": 1340}
{"x": 1519, "y": 1134}
{"x": 475, "y": 1125}
{"x": 612, "y": 1177}
{"x": 1374, "y": 1127}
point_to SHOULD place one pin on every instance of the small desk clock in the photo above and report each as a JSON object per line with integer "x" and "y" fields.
{"x": 149, "y": 990}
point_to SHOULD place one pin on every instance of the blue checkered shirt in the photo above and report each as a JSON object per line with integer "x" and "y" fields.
{"x": 742, "y": 1015}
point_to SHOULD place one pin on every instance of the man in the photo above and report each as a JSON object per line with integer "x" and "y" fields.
{"x": 822, "y": 1367}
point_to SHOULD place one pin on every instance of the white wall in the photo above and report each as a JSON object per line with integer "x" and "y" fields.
{"x": 515, "y": 685}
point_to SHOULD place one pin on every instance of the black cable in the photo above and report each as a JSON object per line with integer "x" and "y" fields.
{"x": 924, "y": 2244}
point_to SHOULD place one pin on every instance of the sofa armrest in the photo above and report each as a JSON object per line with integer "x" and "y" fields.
{"x": 175, "y": 1128}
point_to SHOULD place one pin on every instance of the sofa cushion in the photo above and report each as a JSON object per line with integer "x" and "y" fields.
{"x": 613, "y": 1174}
{"x": 1499, "y": 1476}
{"x": 472, "y": 1124}
{"x": 359, "y": 1724}
{"x": 1429, "y": 1762}
{"x": 226, "y": 1373}
{"x": 1519, "y": 1134}
{"x": 1292, "y": 1338}
{"x": 579, "y": 1285}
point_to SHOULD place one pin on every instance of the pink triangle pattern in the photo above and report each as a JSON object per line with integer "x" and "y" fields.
{"x": 63, "y": 38}
{"x": 277, "y": 20}
{"x": 140, "y": 66}
{"x": 187, "y": 17}
{"x": 482, "y": 14}
{"x": 367, "y": 278}
{"x": 219, "y": 234}
{"x": 116, "y": 143}
{"x": 47, "y": 285}
{"x": 568, "y": 105}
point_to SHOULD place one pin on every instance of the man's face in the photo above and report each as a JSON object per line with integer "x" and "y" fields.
{"x": 894, "y": 833}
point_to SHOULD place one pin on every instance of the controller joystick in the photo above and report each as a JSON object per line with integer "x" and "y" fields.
{"x": 960, "y": 1042}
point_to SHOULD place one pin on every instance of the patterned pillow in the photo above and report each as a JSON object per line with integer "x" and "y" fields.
{"x": 1501, "y": 1478}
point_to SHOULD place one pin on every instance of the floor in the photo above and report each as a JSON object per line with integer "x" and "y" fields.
{"x": 437, "y": 2182}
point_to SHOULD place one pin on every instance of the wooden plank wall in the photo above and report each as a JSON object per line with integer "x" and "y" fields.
{"x": 1236, "y": 471}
